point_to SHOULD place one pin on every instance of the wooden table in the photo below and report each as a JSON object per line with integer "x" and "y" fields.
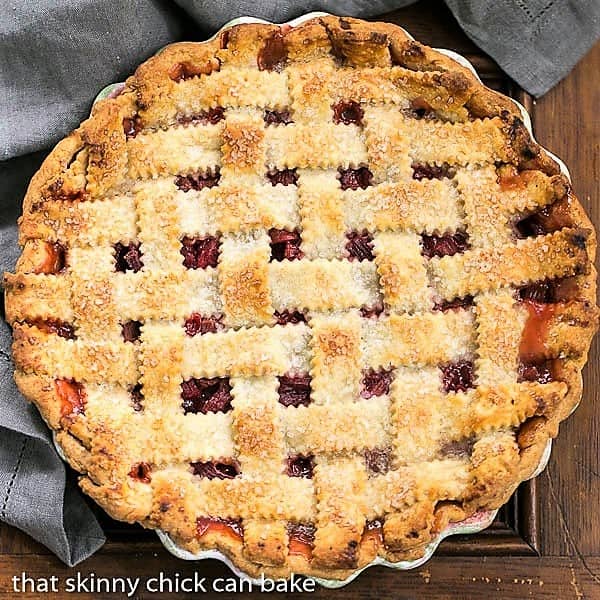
{"x": 546, "y": 542}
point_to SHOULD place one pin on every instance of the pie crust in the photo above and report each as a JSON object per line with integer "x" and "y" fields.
{"x": 304, "y": 295}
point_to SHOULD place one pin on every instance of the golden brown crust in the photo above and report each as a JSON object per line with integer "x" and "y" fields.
{"x": 186, "y": 151}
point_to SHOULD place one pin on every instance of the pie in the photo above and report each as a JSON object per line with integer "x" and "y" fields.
{"x": 305, "y": 295}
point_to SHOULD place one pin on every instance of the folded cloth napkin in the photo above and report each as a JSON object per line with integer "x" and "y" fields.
{"x": 34, "y": 492}
{"x": 57, "y": 54}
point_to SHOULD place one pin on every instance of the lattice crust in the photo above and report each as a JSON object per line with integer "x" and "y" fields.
{"x": 305, "y": 295}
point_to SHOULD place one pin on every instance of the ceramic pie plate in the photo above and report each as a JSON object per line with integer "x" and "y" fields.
{"x": 476, "y": 522}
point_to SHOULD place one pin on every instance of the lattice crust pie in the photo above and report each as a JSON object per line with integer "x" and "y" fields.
{"x": 304, "y": 295}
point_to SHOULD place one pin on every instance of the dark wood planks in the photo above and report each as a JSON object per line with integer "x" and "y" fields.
{"x": 442, "y": 578}
{"x": 567, "y": 121}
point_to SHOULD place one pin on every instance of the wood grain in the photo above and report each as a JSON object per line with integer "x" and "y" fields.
{"x": 556, "y": 516}
{"x": 442, "y": 578}
{"x": 566, "y": 121}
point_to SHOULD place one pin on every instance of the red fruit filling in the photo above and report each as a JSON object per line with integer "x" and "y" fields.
{"x": 374, "y": 524}
{"x": 360, "y": 245}
{"x": 551, "y": 291}
{"x": 60, "y": 328}
{"x": 231, "y": 527}
{"x": 207, "y": 117}
{"x": 224, "y": 40}
{"x": 197, "y": 324}
{"x": 374, "y": 530}
{"x": 200, "y": 253}
{"x": 457, "y": 303}
{"x": 273, "y": 55}
{"x": 131, "y": 331}
{"x": 132, "y": 126}
{"x": 285, "y": 245}
{"x": 300, "y": 466}
{"x": 141, "y": 472}
{"x": 284, "y": 177}
{"x": 277, "y": 117}
{"x": 294, "y": 390}
{"x": 444, "y": 245}
{"x": 197, "y": 181}
{"x": 458, "y": 448}
{"x": 457, "y": 376}
{"x": 376, "y": 383}
{"x": 371, "y": 312}
{"x": 128, "y": 257}
{"x": 72, "y": 397}
{"x": 535, "y": 332}
{"x": 348, "y": 111}
{"x": 549, "y": 219}
{"x": 137, "y": 397}
{"x": 543, "y": 292}
{"x": 206, "y": 395}
{"x": 355, "y": 178}
{"x": 427, "y": 171}
{"x": 287, "y": 316}
{"x": 301, "y": 539}
{"x": 536, "y": 371}
{"x": 378, "y": 460}
{"x": 54, "y": 260}
{"x": 215, "y": 470}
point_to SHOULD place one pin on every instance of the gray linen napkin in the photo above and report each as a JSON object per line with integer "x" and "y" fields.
{"x": 537, "y": 42}
{"x": 34, "y": 492}
{"x": 57, "y": 54}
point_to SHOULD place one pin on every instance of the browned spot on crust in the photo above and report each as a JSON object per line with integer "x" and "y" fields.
{"x": 529, "y": 431}
{"x": 456, "y": 82}
{"x": 410, "y": 51}
{"x": 185, "y": 70}
{"x": 57, "y": 190}
{"x": 458, "y": 448}
{"x": 224, "y": 39}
